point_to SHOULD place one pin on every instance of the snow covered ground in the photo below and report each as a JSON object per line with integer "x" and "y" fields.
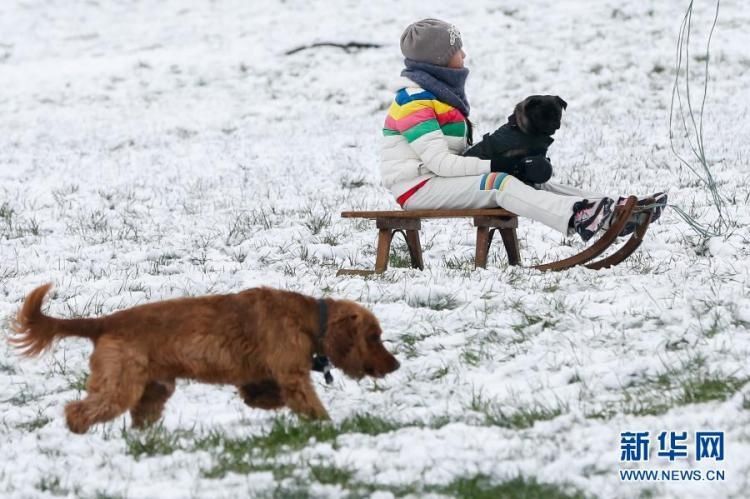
{"x": 154, "y": 149}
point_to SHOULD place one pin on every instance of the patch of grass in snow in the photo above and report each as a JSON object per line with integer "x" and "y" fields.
{"x": 7, "y": 368}
{"x": 439, "y": 373}
{"x": 289, "y": 490}
{"x": 471, "y": 356}
{"x": 475, "y": 487}
{"x": 92, "y": 228}
{"x": 232, "y": 454}
{"x": 94, "y": 306}
{"x": 524, "y": 417}
{"x": 332, "y": 238}
{"x": 352, "y": 182}
{"x": 331, "y": 475}
{"x": 407, "y": 344}
{"x": 23, "y": 397}
{"x": 480, "y": 346}
{"x": 263, "y": 218}
{"x": 264, "y": 453}
{"x": 78, "y": 381}
{"x": 399, "y": 257}
{"x": 34, "y": 424}
{"x": 61, "y": 194}
{"x": 481, "y": 487}
{"x": 519, "y": 418}
{"x": 643, "y": 263}
{"x": 459, "y": 262}
{"x": 687, "y": 384}
{"x": 52, "y": 485}
{"x": 13, "y": 227}
{"x": 436, "y": 301}
{"x": 237, "y": 459}
{"x": 287, "y": 433}
{"x": 103, "y": 494}
{"x": 289, "y": 269}
{"x": 707, "y": 388}
{"x": 246, "y": 455}
{"x": 552, "y": 286}
{"x": 160, "y": 261}
{"x": 241, "y": 228}
{"x": 317, "y": 220}
{"x": 529, "y": 319}
{"x": 155, "y": 440}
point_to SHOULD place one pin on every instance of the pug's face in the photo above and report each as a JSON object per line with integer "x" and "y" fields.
{"x": 540, "y": 114}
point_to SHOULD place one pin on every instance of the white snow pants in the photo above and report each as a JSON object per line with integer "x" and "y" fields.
{"x": 550, "y": 203}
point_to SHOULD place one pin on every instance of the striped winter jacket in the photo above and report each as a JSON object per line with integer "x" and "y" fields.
{"x": 423, "y": 138}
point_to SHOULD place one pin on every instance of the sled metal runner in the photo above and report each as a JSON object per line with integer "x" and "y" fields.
{"x": 487, "y": 221}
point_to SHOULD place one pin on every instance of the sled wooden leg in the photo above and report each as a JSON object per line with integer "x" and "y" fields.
{"x": 415, "y": 249}
{"x": 485, "y": 221}
{"x": 510, "y": 240}
{"x": 486, "y": 226}
{"x": 385, "y": 236}
{"x": 484, "y": 240}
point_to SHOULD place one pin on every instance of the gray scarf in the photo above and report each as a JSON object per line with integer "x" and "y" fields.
{"x": 447, "y": 84}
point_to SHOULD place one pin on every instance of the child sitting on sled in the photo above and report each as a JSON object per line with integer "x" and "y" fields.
{"x": 427, "y": 129}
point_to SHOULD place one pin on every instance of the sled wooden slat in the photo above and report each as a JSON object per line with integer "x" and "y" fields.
{"x": 375, "y": 215}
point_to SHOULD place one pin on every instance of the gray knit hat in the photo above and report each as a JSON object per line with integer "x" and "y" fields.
{"x": 432, "y": 41}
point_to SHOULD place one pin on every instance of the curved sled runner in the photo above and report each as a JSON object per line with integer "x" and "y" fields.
{"x": 621, "y": 216}
{"x": 632, "y": 244}
{"x": 487, "y": 221}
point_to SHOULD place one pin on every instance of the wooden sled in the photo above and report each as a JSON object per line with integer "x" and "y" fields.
{"x": 487, "y": 221}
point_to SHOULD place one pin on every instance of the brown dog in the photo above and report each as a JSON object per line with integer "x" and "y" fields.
{"x": 261, "y": 340}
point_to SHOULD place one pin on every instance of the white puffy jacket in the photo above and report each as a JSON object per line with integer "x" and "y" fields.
{"x": 423, "y": 138}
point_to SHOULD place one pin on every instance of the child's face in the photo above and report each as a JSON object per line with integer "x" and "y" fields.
{"x": 457, "y": 61}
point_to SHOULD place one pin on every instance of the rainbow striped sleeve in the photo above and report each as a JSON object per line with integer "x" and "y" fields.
{"x": 416, "y": 112}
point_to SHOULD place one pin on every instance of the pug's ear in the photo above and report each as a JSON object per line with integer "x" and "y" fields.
{"x": 560, "y": 101}
{"x": 532, "y": 101}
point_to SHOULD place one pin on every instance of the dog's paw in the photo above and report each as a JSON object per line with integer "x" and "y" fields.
{"x": 76, "y": 417}
{"x": 264, "y": 394}
{"x": 312, "y": 413}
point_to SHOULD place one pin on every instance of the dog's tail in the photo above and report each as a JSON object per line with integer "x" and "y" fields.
{"x": 35, "y": 331}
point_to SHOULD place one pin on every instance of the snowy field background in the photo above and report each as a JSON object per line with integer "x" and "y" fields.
{"x": 156, "y": 149}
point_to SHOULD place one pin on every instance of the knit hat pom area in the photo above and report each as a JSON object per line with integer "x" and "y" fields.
{"x": 432, "y": 41}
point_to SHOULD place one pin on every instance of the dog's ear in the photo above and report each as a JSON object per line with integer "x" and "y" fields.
{"x": 561, "y": 102}
{"x": 531, "y": 101}
{"x": 345, "y": 331}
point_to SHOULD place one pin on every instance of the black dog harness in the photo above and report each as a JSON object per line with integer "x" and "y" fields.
{"x": 320, "y": 362}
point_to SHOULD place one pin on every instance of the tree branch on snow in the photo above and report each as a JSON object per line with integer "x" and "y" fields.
{"x": 347, "y": 47}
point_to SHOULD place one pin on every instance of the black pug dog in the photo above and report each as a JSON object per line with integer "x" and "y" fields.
{"x": 519, "y": 147}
